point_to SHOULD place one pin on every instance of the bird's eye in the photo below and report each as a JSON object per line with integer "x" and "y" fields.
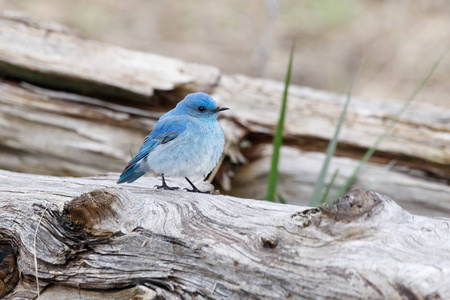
{"x": 201, "y": 108}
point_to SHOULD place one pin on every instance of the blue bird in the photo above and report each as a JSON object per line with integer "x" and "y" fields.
{"x": 186, "y": 141}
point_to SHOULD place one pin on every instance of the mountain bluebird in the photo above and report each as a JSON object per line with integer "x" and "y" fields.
{"x": 186, "y": 141}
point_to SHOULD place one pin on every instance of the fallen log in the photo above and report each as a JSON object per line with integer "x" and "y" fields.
{"x": 56, "y": 57}
{"x": 299, "y": 171}
{"x": 420, "y": 140}
{"x": 60, "y": 133}
{"x": 90, "y": 238}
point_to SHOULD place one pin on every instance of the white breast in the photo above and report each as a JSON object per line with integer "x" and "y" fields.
{"x": 195, "y": 152}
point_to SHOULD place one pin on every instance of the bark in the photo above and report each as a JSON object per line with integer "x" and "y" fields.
{"x": 94, "y": 239}
{"x": 74, "y": 107}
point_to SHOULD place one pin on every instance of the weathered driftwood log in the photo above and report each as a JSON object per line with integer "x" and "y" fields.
{"x": 299, "y": 171}
{"x": 420, "y": 140}
{"x": 58, "y": 133}
{"x": 52, "y": 56}
{"x": 55, "y": 132}
{"x": 89, "y": 238}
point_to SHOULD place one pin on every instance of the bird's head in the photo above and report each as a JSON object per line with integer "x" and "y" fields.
{"x": 200, "y": 105}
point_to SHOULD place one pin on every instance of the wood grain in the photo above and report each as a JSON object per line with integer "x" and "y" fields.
{"x": 420, "y": 140}
{"x": 35, "y": 53}
{"x": 190, "y": 246}
{"x": 299, "y": 170}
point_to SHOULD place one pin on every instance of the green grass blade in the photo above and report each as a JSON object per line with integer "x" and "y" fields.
{"x": 281, "y": 199}
{"x": 330, "y": 185}
{"x": 388, "y": 129}
{"x": 315, "y": 199}
{"x": 278, "y": 138}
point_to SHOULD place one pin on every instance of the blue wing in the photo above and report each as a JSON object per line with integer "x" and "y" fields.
{"x": 164, "y": 131}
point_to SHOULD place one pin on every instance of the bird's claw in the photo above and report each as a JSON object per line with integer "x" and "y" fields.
{"x": 166, "y": 187}
{"x": 197, "y": 191}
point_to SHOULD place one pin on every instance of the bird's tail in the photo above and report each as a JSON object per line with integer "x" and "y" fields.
{"x": 131, "y": 173}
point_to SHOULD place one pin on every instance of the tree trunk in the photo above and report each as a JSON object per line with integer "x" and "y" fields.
{"x": 91, "y": 238}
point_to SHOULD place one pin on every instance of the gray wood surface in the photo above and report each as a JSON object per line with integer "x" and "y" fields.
{"x": 99, "y": 240}
{"x": 52, "y": 56}
{"x": 299, "y": 171}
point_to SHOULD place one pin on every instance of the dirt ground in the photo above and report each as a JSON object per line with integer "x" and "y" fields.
{"x": 400, "y": 40}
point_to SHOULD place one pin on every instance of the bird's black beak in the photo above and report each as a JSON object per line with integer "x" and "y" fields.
{"x": 217, "y": 109}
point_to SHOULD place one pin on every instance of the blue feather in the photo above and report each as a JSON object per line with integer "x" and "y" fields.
{"x": 164, "y": 131}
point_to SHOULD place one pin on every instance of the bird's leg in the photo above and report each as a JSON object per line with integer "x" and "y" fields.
{"x": 165, "y": 186}
{"x": 194, "y": 188}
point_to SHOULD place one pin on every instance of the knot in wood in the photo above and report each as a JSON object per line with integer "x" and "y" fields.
{"x": 90, "y": 209}
{"x": 306, "y": 218}
{"x": 269, "y": 242}
{"x": 9, "y": 272}
{"x": 351, "y": 206}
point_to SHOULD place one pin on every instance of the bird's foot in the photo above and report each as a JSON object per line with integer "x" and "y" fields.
{"x": 195, "y": 190}
{"x": 166, "y": 187}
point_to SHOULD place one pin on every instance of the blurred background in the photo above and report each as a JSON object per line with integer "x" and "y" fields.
{"x": 400, "y": 39}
